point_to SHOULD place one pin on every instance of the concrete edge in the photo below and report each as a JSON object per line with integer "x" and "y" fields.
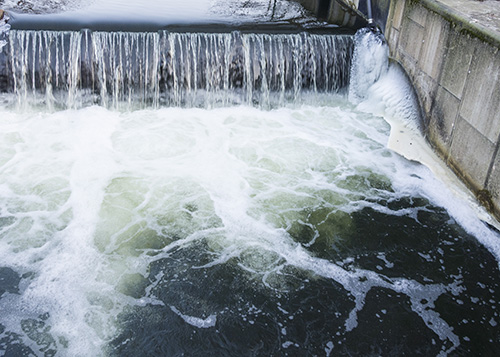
{"x": 456, "y": 17}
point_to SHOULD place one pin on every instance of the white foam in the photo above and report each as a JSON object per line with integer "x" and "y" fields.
{"x": 95, "y": 196}
{"x": 208, "y": 322}
{"x": 369, "y": 63}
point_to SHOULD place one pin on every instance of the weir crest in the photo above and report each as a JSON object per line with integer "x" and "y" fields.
{"x": 75, "y": 69}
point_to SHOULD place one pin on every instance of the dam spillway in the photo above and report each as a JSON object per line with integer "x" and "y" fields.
{"x": 169, "y": 193}
{"x": 170, "y": 69}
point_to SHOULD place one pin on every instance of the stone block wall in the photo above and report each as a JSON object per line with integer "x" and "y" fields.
{"x": 455, "y": 68}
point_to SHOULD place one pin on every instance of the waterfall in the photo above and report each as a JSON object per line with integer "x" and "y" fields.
{"x": 119, "y": 69}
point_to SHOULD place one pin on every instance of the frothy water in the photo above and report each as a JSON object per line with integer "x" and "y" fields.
{"x": 235, "y": 230}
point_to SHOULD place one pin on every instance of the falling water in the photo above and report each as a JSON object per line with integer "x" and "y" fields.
{"x": 76, "y": 69}
{"x": 236, "y": 203}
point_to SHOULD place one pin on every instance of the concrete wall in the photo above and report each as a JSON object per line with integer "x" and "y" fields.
{"x": 345, "y": 13}
{"x": 341, "y": 12}
{"x": 455, "y": 68}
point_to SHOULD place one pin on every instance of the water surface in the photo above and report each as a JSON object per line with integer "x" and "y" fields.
{"x": 234, "y": 229}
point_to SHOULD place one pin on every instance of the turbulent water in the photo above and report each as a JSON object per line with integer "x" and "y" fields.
{"x": 236, "y": 229}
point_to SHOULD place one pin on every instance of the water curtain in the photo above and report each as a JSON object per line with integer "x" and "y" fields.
{"x": 74, "y": 69}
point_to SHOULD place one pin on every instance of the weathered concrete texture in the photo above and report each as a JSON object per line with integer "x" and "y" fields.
{"x": 481, "y": 98}
{"x": 380, "y": 10}
{"x": 345, "y": 13}
{"x": 470, "y": 154}
{"x": 456, "y": 68}
{"x": 443, "y": 117}
{"x": 454, "y": 64}
{"x": 481, "y": 17}
{"x": 341, "y": 15}
{"x": 350, "y": 13}
{"x": 493, "y": 185}
{"x": 312, "y": 5}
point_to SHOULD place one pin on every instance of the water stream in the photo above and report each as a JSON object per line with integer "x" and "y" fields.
{"x": 219, "y": 194}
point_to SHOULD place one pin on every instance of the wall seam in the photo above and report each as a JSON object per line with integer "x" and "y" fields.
{"x": 467, "y": 79}
{"x": 492, "y": 163}
{"x": 445, "y": 155}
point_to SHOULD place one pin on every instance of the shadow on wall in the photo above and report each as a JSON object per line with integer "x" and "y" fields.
{"x": 349, "y": 13}
{"x": 339, "y": 12}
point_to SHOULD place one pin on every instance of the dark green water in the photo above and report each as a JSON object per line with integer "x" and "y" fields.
{"x": 297, "y": 312}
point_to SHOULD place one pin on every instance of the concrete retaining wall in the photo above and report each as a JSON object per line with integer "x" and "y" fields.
{"x": 352, "y": 13}
{"x": 346, "y": 13}
{"x": 455, "y": 68}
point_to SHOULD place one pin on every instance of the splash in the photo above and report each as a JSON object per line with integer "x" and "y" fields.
{"x": 370, "y": 62}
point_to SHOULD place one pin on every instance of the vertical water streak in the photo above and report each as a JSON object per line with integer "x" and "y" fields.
{"x": 172, "y": 70}
{"x": 128, "y": 71}
{"x": 49, "y": 96}
{"x": 248, "y": 75}
{"x": 227, "y": 71}
{"x": 195, "y": 48}
{"x": 264, "y": 60}
{"x": 98, "y": 46}
{"x": 296, "y": 73}
{"x": 281, "y": 57}
{"x": 155, "y": 65}
{"x": 35, "y": 48}
{"x": 74, "y": 60}
{"x": 15, "y": 64}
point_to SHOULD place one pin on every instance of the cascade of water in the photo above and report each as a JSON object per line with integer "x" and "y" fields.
{"x": 73, "y": 69}
{"x": 370, "y": 62}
